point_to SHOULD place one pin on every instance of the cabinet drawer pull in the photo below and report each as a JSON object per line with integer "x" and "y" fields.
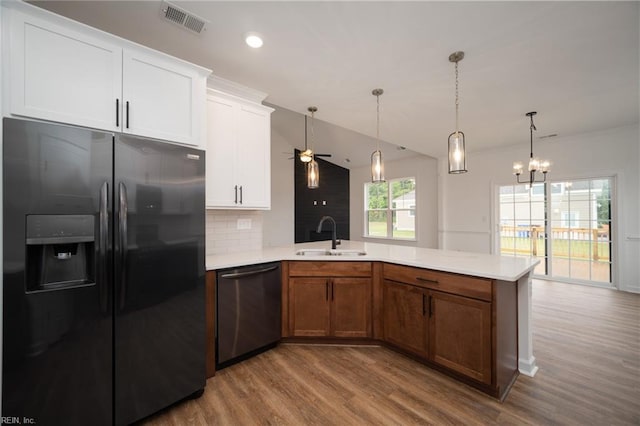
{"x": 332, "y": 289}
{"x": 430, "y": 308}
{"x": 423, "y": 306}
{"x": 117, "y": 112}
{"x": 240, "y": 194}
{"x": 426, "y": 280}
{"x": 127, "y": 108}
{"x": 326, "y": 290}
{"x": 236, "y": 199}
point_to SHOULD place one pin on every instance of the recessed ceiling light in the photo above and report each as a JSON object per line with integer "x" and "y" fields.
{"x": 254, "y": 40}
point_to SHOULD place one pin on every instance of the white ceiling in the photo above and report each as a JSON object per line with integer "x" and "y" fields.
{"x": 576, "y": 63}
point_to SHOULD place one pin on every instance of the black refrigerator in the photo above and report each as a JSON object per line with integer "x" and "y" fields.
{"x": 104, "y": 271}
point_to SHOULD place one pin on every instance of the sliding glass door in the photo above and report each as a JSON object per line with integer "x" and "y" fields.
{"x": 566, "y": 224}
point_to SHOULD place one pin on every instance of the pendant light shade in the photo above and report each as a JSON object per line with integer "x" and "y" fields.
{"x": 456, "y": 148}
{"x": 377, "y": 166}
{"x": 457, "y": 160}
{"x": 313, "y": 174}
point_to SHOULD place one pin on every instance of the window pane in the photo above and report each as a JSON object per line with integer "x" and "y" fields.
{"x": 403, "y": 193}
{"x": 404, "y": 224}
{"x": 377, "y": 223}
{"x": 377, "y": 196}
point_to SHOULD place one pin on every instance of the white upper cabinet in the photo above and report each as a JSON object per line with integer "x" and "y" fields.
{"x": 63, "y": 71}
{"x": 63, "y": 75}
{"x": 163, "y": 99}
{"x": 238, "y": 153}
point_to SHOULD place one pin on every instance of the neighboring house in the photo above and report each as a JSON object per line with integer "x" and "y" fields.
{"x": 405, "y": 219}
{"x": 572, "y": 206}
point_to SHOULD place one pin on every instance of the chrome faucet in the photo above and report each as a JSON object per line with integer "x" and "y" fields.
{"x": 334, "y": 241}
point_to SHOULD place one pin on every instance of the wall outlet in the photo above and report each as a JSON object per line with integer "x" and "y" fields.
{"x": 244, "y": 223}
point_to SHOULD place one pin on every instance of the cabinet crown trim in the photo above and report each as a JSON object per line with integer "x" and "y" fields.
{"x": 231, "y": 87}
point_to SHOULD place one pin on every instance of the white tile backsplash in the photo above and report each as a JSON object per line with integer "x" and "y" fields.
{"x": 223, "y": 235}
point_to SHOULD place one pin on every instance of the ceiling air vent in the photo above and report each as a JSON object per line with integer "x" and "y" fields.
{"x": 185, "y": 19}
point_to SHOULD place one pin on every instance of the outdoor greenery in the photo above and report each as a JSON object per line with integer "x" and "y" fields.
{"x": 379, "y": 229}
{"x": 604, "y": 202}
{"x": 378, "y": 196}
{"x": 379, "y": 202}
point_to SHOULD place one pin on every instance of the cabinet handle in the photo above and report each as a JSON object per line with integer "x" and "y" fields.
{"x": 427, "y": 280}
{"x": 332, "y": 289}
{"x": 127, "y": 109}
{"x": 424, "y": 311}
{"x": 430, "y": 308}
{"x": 117, "y": 112}
{"x": 236, "y": 199}
{"x": 240, "y": 194}
{"x": 326, "y": 290}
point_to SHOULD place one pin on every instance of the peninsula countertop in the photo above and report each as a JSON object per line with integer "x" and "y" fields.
{"x": 507, "y": 268}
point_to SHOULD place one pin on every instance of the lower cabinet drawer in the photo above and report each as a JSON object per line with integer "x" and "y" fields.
{"x": 463, "y": 285}
{"x": 329, "y": 269}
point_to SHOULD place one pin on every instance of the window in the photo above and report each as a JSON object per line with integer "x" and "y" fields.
{"x": 390, "y": 209}
{"x": 566, "y": 224}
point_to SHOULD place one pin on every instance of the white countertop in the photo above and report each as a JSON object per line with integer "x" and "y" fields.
{"x": 507, "y": 268}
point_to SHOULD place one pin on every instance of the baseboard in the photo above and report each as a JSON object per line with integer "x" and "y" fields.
{"x": 528, "y": 367}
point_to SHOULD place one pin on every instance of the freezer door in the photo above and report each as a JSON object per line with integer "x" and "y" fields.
{"x": 159, "y": 276}
{"x": 57, "y": 322}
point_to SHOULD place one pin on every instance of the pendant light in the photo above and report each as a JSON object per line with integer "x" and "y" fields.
{"x": 313, "y": 172}
{"x": 457, "y": 154}
{"x": 377, "y": 166}
{"x": 535, "y": 164}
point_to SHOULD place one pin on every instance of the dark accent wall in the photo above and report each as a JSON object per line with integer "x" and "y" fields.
{"x": 330, "y": 199}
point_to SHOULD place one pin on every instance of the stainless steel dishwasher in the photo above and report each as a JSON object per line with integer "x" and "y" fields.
{"x": 248, "y": 311}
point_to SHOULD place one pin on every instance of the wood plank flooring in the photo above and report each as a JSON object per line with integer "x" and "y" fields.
{"x": 586, "y": 341}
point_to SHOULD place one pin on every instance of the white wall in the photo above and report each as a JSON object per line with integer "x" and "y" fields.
{"x": 467, "y": 202}
{"x": 425, "y": 170}
{"x": 279, "y": 221}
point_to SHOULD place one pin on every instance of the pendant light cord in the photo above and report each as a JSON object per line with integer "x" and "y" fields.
{"x": 312, "y": 135}
{"x": 532, "y": 127}
{"x": 378, "y": 122}
{"x": 457, "y": 102}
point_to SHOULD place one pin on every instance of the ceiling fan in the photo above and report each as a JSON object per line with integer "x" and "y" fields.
{"x": 307, "y": 154}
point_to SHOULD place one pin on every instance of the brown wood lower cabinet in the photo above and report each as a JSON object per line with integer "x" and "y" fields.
{"x": 351, "y": 307}
{"x": 309, "y": 310}
{"x": 464, "y": 325}
{"x": 330, "y": 299}
{"x": 404, "y": 317}
{"x": 460, "y": 335}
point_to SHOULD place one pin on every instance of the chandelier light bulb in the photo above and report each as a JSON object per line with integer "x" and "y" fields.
{"x": 517, "y": 168}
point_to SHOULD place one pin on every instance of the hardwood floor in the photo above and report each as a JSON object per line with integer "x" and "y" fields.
{"x": 586, "y": 341}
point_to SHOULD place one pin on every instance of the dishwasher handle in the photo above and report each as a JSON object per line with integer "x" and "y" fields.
{"x": 249, "y": 273}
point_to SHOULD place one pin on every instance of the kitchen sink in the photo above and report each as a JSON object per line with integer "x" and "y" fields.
{"x": 336, "y": 252}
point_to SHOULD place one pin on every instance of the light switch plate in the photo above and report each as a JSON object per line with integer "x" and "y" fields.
{"x": 244, "y": 223}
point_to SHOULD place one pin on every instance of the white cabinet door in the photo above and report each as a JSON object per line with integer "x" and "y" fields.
{"x": 162, "y": 98}
{"x": 63, "y": 75}
{"x": 253, "y": 168}
{"x": 238, "y": 154}
{"x": 221, "y": 189}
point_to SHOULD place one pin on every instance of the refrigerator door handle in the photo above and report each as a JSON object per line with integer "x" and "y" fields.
{"x": 122, "y": 228}
{"x": 102, "y": 253}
